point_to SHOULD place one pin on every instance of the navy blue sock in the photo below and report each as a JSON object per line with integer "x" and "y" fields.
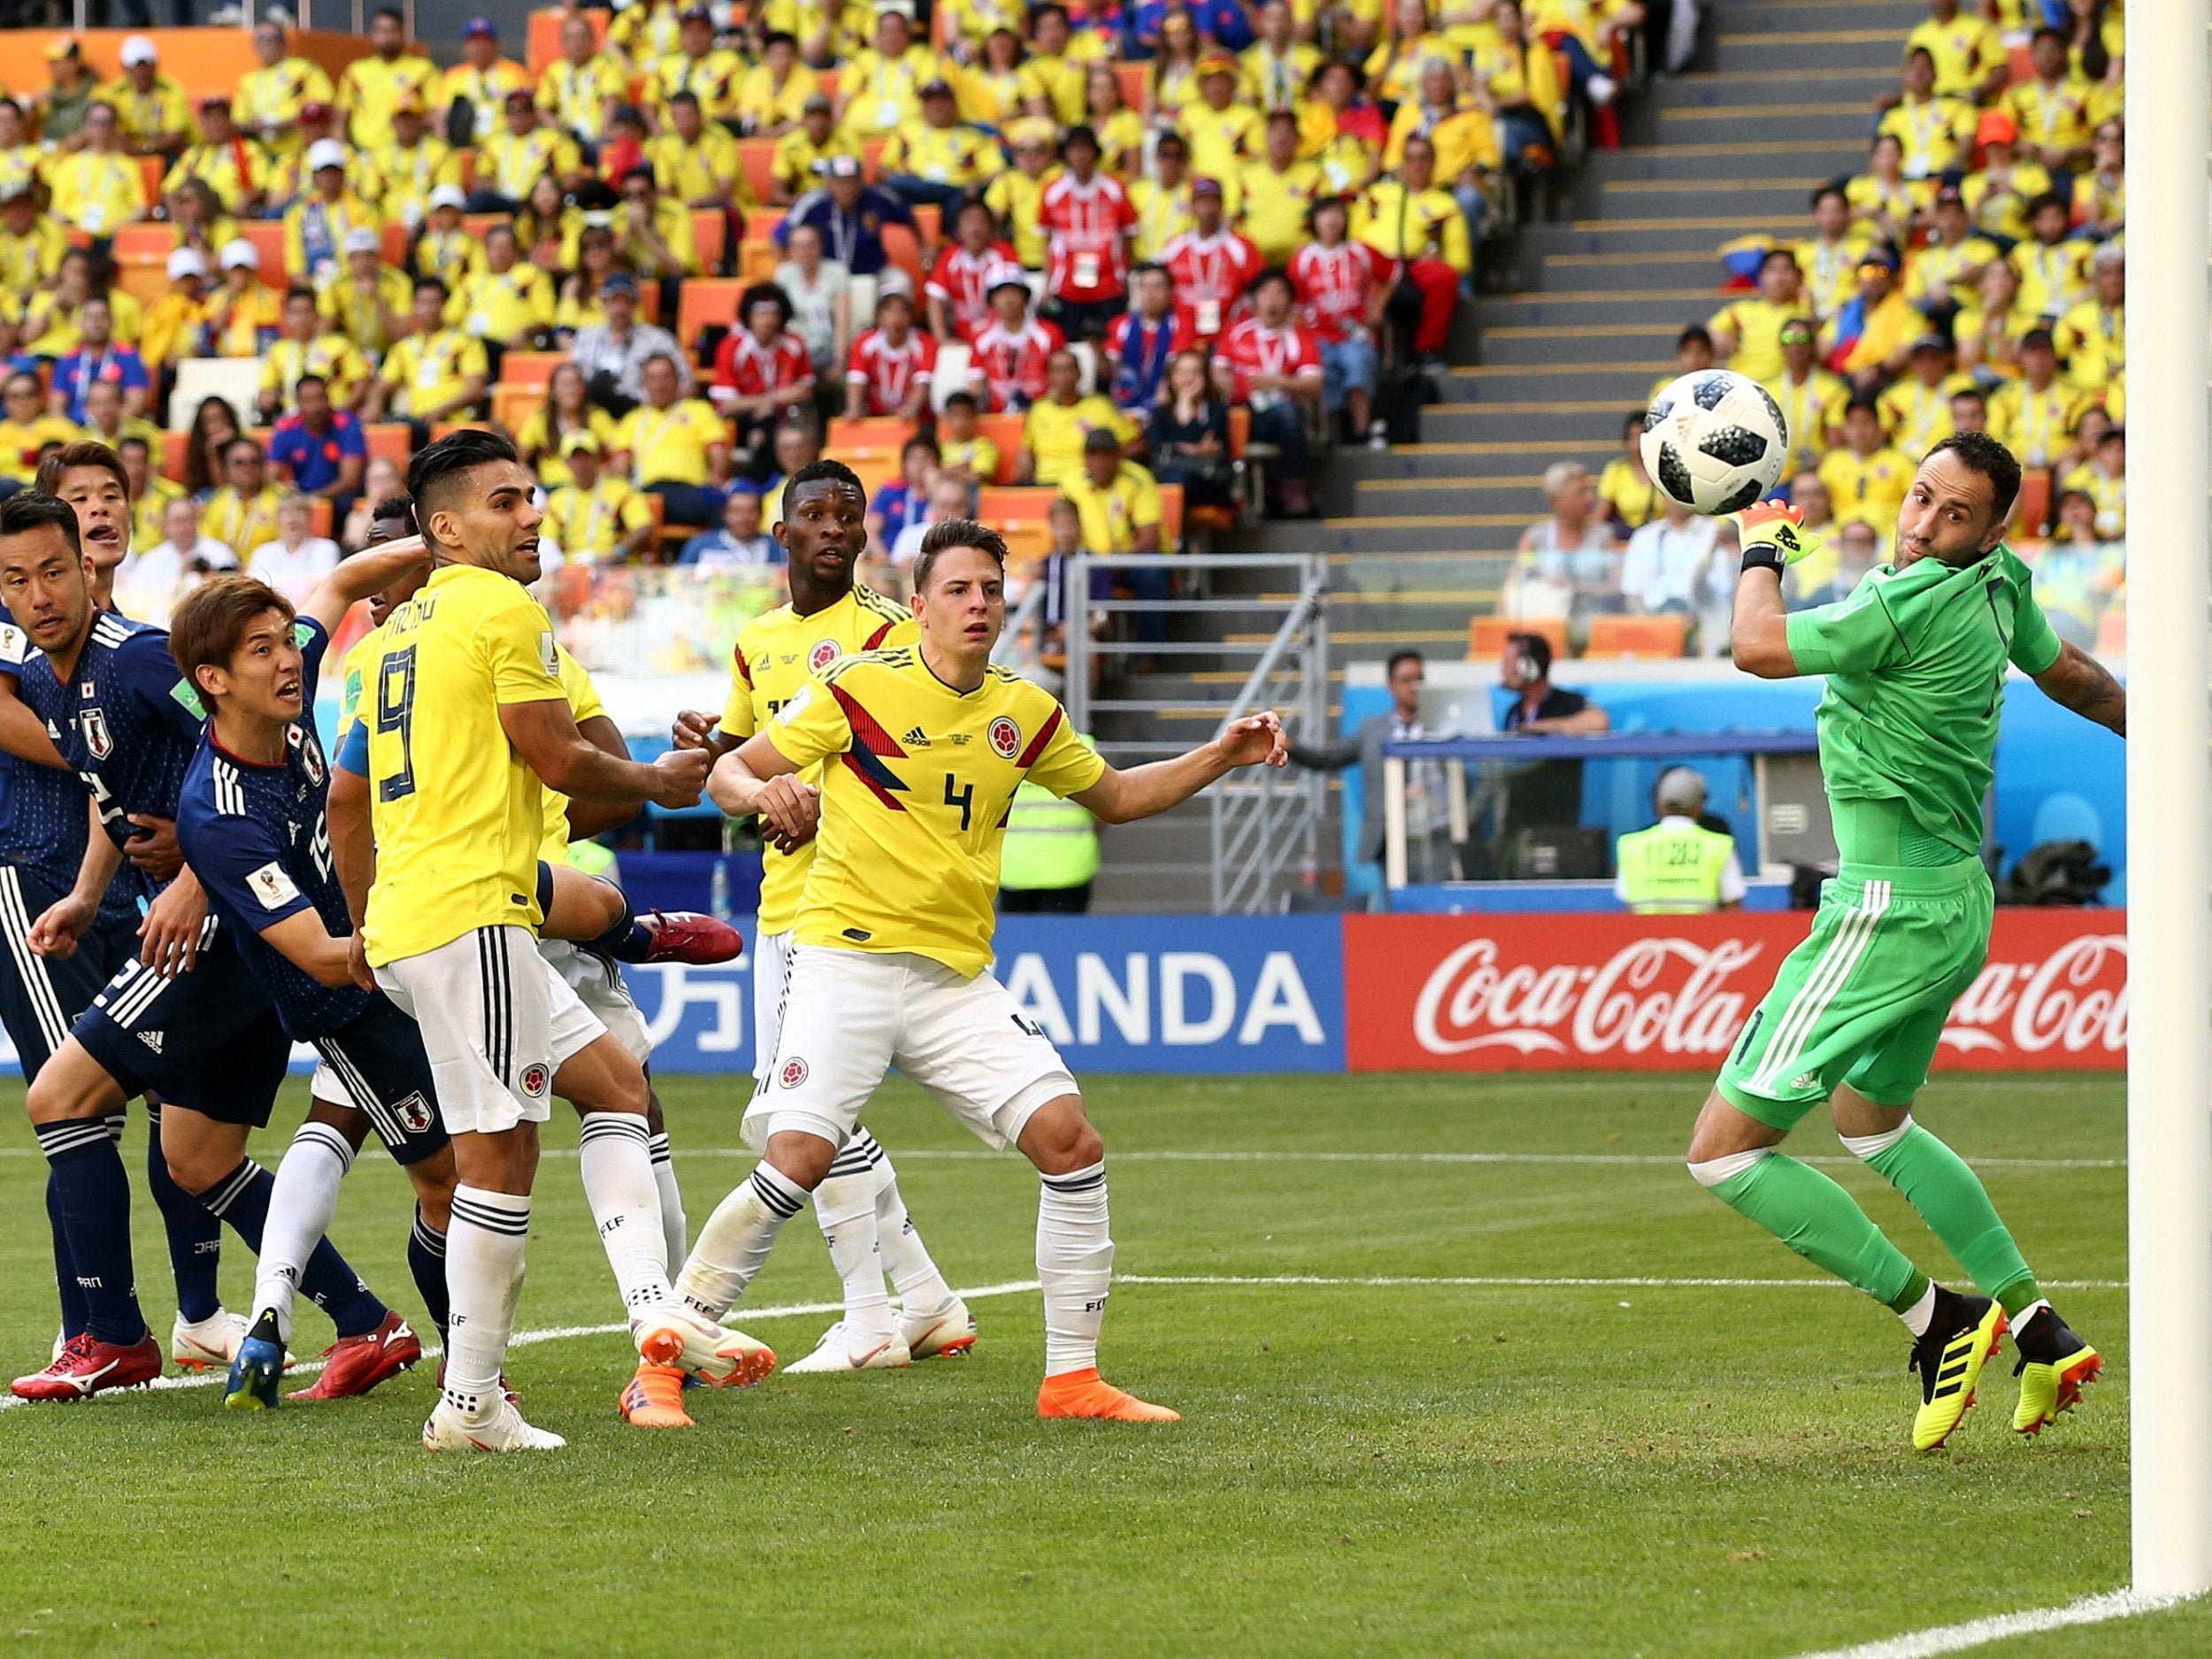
{"x": 426, "y": 1259}
{"x": 75, "y": 1315}
{"x": 195, "y": 1237}
{"x": 93, "y": 1196}
{"x": 241, "y": 1199}
{"x": 629, "y": 939}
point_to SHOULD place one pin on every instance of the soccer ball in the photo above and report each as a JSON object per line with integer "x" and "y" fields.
{"x": 1715, "y": 441}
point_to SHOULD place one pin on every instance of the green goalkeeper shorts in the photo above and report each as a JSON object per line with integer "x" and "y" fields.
{"x": 1863, "y": 1001}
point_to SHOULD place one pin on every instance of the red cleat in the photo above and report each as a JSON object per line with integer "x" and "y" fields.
{"x": 87, "y": 1366}
{"x": 354, "y": 1364}
{"x": 690, "y": 936}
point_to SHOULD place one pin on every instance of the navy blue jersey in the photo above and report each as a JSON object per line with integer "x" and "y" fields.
{"x": 128, "y": 723}
{"x": 259, "y": 838}
{"x": 42, "y": 821}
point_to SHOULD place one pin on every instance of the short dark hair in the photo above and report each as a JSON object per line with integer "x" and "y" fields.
{"x": 431, "y": 282}
{"x": 1536, "y": 648}
{"x": 825, "y": 472}
{"x": 90, "y": 452}
{"x": 29, "y": 510}
{"x": 1404, "y": 654}
{"x": 1273, "y": 275}
{"x": 922, "y": 442}
{"x": 1981, "y": 453}
{"x": 436, "y": 465}
{"x": 299, "y": 291}
{"x": 764, "y": 294}
{"x": 1696, "y": 334}
{"x": 206, "y": 627}
{"x": 242, "y": 441}
{"x": 1863, "y": 400}
{"x": 319, "y": 380}
{"x": 392, "y": 13}
{"x": 965, "y": 400}
{"x": 952, "y": 533}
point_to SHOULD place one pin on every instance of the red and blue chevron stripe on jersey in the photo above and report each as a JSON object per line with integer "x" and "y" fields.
{"x": 870, "y": 744}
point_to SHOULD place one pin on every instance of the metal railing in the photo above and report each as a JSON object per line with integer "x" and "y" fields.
{"x": 1263, "y": 820}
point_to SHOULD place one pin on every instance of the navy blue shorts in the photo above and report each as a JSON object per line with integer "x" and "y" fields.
{"x": 379, "y": 1064}
{"x": 208, "y": 1040}
{"x": 42, "y": 996}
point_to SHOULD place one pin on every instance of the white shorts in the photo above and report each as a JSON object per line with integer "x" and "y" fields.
{"x": 599, "y": 987}
{"x": 497, "y": 1022}
{"x": 850, "y": 1015}
{"x": 772, "y": 960}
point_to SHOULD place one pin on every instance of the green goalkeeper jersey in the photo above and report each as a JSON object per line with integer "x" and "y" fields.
{"x": 1915, "y": 661}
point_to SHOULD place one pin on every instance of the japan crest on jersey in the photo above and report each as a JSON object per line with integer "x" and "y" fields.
{"x": 822, "y": 655}
{"x": 94, "y": 724}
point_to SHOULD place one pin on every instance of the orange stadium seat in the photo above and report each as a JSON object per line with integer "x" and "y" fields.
{"x": 757, "y": 157}
{"x": 267, "y": 237}
{"x": 172, "y": 447}
{"x": 544, "y": 44}
{"x": 395, "y": 249}
{"x": 757, "y": 259}
{"x": 479, "y": 224}
{"x": 1638, "y": 637}
{"x": 141, "y": 252}
{"x": 512, "y": 405}
{"x": 929, "y": 224}
{"x": 1171, "y": 516}
{"x": 1023, "y": 515}
{"x": 1006, "y": 432}
{"x": 703, "y": 301}
{"x": 874, "y": 472}
{"x": 1486, "y": 635}
{"x": 389, "y": 439}
{"x": 827, "y": 79}
{"x": 872, "y": 159}
{"x": 874, "y": 440}
{"x": 1133, "y": 79}
{"x": 763, "y": 223}
{"x": 710, "y": 232}
{"x": 2033, "y": 511}
{"x": 154, "y": 169}
{"x": 905, "y": 250}
{"x": 530, "y": 368}
{"x": 1240, "y": 430}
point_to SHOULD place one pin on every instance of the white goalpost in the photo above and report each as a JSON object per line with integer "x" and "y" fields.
{"x": 2169, "y": 793}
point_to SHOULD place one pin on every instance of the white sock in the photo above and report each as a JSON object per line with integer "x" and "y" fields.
{"x": 673, "y": 1232}
{"x": 845, "y": 1205}
{"x": 736, "y": 1241}
{"x": 1921, "y": 1315}
{"x": 483, "y": 1276}
{"x": 2020, "y": 1322}
{"x": 1075, "y": 1264}
{"x": 625, "y": 1204}
{"x": 302, "y": 1201}
{"x": 922, "y": 1288}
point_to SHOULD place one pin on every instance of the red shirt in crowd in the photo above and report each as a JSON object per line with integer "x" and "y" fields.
{"x": 1014, "y": 363}
{"x": 1335, "y": 286}
{"x": 1088, "y": 226}
{"x": 745, "y": 368}
{"x": 1249, "y": 348}
{"x": 1212, "y": 273}
{"x": 963, "y": 280}
{"x": 890, "y": 372}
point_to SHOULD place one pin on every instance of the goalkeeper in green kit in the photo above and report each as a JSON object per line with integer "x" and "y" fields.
{"x": 1915, "y": 660}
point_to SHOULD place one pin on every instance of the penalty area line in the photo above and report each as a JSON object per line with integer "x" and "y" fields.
{"x": 1948, "y": 1638}
{"x": 977, "y": 1155}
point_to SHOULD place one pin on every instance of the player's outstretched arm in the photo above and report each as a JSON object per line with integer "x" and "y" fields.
{"x": 2081, "y": 682}
{"x": 544, "y": 735}
{"x": 757, "y": 777}
{"x": 362, "y": 574}
{"x": 55, "y": 931}
{"x": 1122, "y": 797}
{"x": 303, "y": 940}
{"x": 586, "y": 819}
{"x": 1758, "y": 636}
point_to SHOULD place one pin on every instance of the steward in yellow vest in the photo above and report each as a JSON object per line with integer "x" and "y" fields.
{"x": 1678, "y": 867}
{"x": 1049, "y": 855}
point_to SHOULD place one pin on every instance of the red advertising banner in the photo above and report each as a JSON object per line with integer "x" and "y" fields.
{"x": 1612, "y": 991}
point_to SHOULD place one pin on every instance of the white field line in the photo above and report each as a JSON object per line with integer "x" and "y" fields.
{"x": 1024, "y": 1286}
{"x": 1945, "y": 1639}
{"x": 965, "y": 1154}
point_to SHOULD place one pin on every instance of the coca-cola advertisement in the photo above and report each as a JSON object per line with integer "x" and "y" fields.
{"x": 1671, "y": 993}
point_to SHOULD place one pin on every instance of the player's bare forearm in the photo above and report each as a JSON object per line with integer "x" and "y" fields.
{"x": 352, "y": 840}
{"x": 302, "y": 940}
{"x": 2081, "y": 682}
{"x": 1123, "y": 797}
{"x": 587, "y": 819}
{"x": 362, "y": 574}
{"x": 102, "y": 859}
{"x": 22, "y": 734}
{"x": 741, "y": 777}
{"x": 1758, "y": 636}
{"x": 544, "y": 733}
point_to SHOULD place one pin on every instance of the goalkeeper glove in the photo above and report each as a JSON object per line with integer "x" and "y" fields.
{"x": 1773, "y": 536}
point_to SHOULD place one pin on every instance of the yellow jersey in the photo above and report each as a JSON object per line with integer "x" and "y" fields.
{"x": 369, "y": 89}
{"x": 594, "y": 523}
{"x": 273, "y": 98}
{"x": 458, "y": 817}
{"x": 343, "y": 369}
{"x": 761, "y": 103}
{"x": 242, "y": 523}
{"x": 669, "y": 446}
{"x": 506, "y": 306}
{"x": 95, "y": 193}
{"x": 924, "y": 779}
{"x": 31, "y": 261}
{"x": 359, "y": 314}
{"x": 584, "y": 705}
{"x": 1017, "y": 198}
{"x": 1220, "y": 140}
{"x": 401, "y": 177}
{"x": 147, "y": 512}
{"x": 965, "y": 155}
{"x": 515, "y": 164}
{"x": 705, "y": 172}
{"x": 162, "y": 112}
{"x": 713, "y": 80}
{"x": 1756, "y": 325}
{"x": 1964, "y": 50}
{"x": 2095, "y": 342}
{"x": 775, "y": 655}
{"x": 1634, "y": 498}
{"x": 1111, "y": 517}
{"x": 488, "y": 90}
{"x": 1163, "y": 214}
{"x": 796, "y": 152}
{"x": 1867, "y": 490}
{"x": 1273, "y": 205}
{"x": 882, "y": 92}
{"x": 2050, "y": 117}
{"x": 436, "y": 371}
{"x": 1918, "y": 416}
{"x": 537, "y": 437}
{"x": 1273, "y": 81}
{"x": 1059, "y": 82}
{"x": 2035, "y": 426}
{"x": 1931, "y": 131}
{"x": 233, "y": 171}
{"x": 1811, "y": 409}
{"x": 1055, "y": 434}
{"x": 978, "y": 457}
{"x": 578, "y": 97}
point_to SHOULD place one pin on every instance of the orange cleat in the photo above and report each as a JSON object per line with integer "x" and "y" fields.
{"x": 1084, "y": 1393}
{"x": 655, "y": 1398}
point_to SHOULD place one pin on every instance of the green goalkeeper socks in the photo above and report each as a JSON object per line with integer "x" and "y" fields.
{"x": 1819, "y": 1220}
{"x": 1949, "y": 1196}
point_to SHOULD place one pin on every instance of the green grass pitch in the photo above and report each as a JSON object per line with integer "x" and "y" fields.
{"x": 1391, "y": 1446}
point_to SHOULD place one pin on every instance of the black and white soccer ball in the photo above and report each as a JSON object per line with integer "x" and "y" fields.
{"x": 1715, "y": 441}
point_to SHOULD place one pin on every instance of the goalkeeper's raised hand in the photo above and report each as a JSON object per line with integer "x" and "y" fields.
{"x": 1773, "y": 536}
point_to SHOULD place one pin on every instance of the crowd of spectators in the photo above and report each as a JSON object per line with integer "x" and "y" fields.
{"x": 1972, "y": 277}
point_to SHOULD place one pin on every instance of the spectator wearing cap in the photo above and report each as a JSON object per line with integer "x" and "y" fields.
{"x": 850, "y": 215}
{"x": 739, "y": 543}
{"x": 1932, "y": 129}
{"x": 1220, "y": 131}
{"x": 881, "y": 87}
{"x": 1811, "y": 398}
{"x": 315, "y": 227}
{"x": 1162, "y": 198}
{"x": 506, "y": 302}
{"x": 710, "y": 73}
{"x": 2034, "y": 415}
{"x": 1748, "y": 331}
{"x": 61, "y": 104}
{"x": 1270, "y": 363}
{"x": 320, "y": 447}
{"x": 696, "y": 162}
{"x": 2051, "y": 107}
{"x": 1917, "y": 407}
{"x": 445, "y": 247}
{"x": 232, "y": 165}
{"x": 32, "y": 244}
{"x": 577, "y": 89}
{"x": 99, "y": 356}
{"x": 153, "y": 115}
{"x": 676, "y": 447}
{"x": 435, "y": 373}
{"x": 176, "y": 324}
{"x": 1211, "y": 265}
{"x": 936, "y": 157}
{"x": 1940, "y": 276}
{"x": 2092, "y": 336}
{"x": 513, "y": 157}
{"x": 1009, "y": 360}
{"x": 415, "y": 162}
{"x": 612, "y": 354}
{"x": 481, "y": 81}
{"x": 1871, "y": 338}
{"x": 1998, "y": 192}
{"x": 1968, "y": 54}
{"x": 371, "y": 87}
{"x": 367, "y": 301}
{"x": 1277, "y": 191}
{"x": 597, "y": 515}
{"x": 895, "y": 363}
{"x": 1016, "y": 196}
{"x": 98, "y": 188}
{"x": 1866, "y": 477}
{"x": 1087, "y": 220}
{"x": 1423, "y": 232}
{"x": 269, "y": 96}
{"x": 245, "y": 311}
{"x": 2054, "y": 269}
{"x": 815, "y": 140}
{"x": 762, "y": 372}
{"x": 307, "y": 346}
{"x": 771, "y": 99}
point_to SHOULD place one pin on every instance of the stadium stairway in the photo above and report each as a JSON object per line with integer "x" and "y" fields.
{"x": 1420, "y": 537}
